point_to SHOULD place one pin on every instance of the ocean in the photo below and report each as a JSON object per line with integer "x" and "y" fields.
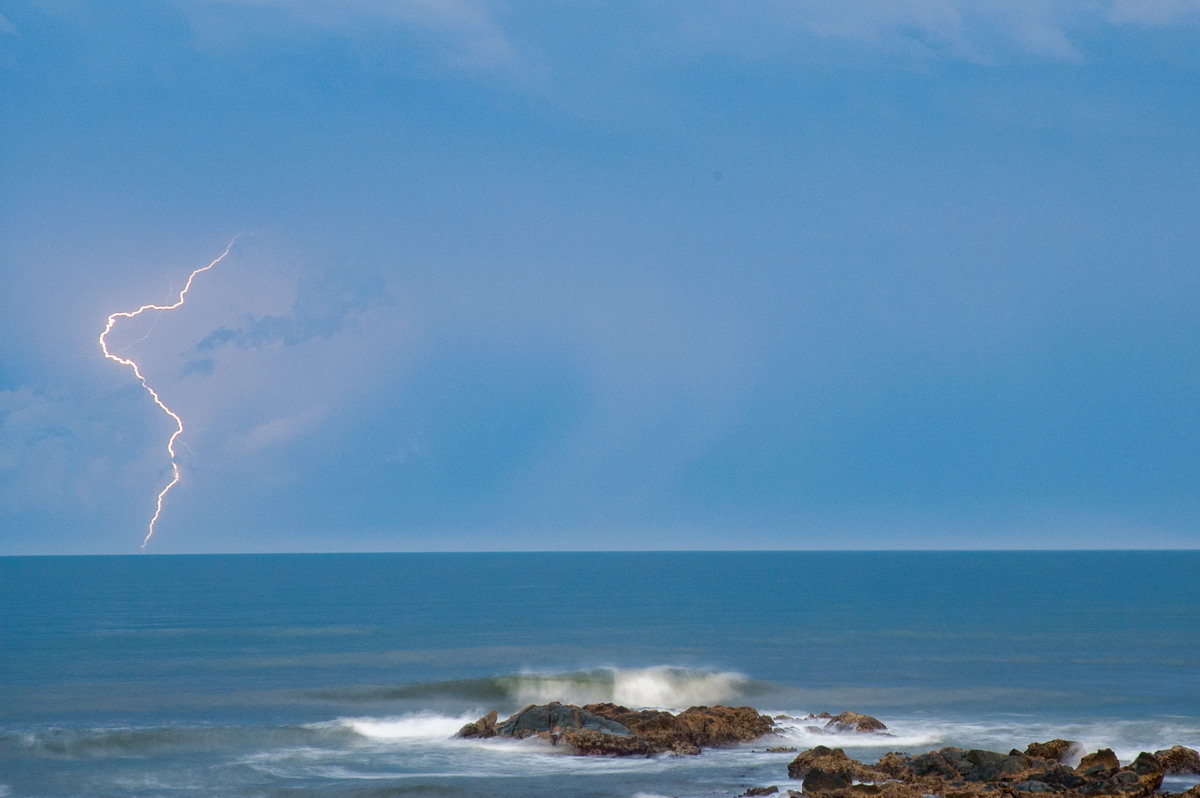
{"x": 348, "y": 674}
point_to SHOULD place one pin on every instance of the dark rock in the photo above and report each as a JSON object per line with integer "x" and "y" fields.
{"x": 1059, "y": 776}
{"x": 484, "y": 727}
{"x": 855, "y": 722}
{"x": 1149, "y": 772}
{"x": 1098, "y": 762}
{"x": 825, "y": 759}
{"x": 935, "y": 763}
{"x": 613, "y": 730}
{"x": 590, "y": 742}
{"x": 818, "y": 780}
{"x": 779, "y": 749}
{"x": 954, "y": 773}
{"x": 1055, "y": 750}
{"x": 694, "y": 727}
{"x": 553, "y": 719}
{"x": 761, "y": 791}
{"x": 1178, "y": 760}
{"x": 1033, "y": 785}
{"x": 721, "y": 725}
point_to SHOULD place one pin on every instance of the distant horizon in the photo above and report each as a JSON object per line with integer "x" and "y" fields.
{"x": 617, "y": 551}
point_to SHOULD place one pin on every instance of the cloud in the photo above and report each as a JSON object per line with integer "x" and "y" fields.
{"x": 325, "y": 304}
{"x": 1155, "y": 12}
{"x": 280, "y": 431}
{"x": 58, "y": 450}
{"x": 465, "y": 29}
{"x": 981, "y": 31}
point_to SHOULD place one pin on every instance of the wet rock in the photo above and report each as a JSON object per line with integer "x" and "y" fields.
{"x": 976, "y": 773}
{"x": 1055, "y": 750}
{"x": 1033, "y": 785}
{"x": 550, "y": 720}
{"x": 1149, "y": 772}
{"x": 1097, "y": 762}
{"x": 1179, "y": 760}
{"x": 818, "y": 780}
{"x": 589, "y": 742}
{"x": 760, "y": 791}
{"x": 855, "y": 722}
{"x": 721, "y": 725}
{"x": 613, "y": 730}
{"x": 484, "y": 727}
{"x": 830, "y": 762}
{"x": 701, "y": 726}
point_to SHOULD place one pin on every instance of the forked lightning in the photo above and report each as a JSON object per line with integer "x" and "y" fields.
{"x": 137, "y": 372}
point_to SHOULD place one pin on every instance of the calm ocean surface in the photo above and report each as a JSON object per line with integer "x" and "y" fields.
{"x": 347, "y": 675}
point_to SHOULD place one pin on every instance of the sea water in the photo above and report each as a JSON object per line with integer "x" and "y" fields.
{"x": 348, "y": 675}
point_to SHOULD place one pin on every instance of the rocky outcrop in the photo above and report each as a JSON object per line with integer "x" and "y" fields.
{"x": 832, "y": 765}
{"x": 547, "y": 720}
{"x": 613, "y": 730}
{"x": 1101, "y": 760}
{"x": 855, "y": 722}
{"x": 1056, "y": 750}
{"x": 846, "y": 723}
{"x": 1180, "y": 761}
{"x": 958, "y": 773}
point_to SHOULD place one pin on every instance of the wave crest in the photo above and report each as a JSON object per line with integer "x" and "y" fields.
{"x": 663, "y": 686}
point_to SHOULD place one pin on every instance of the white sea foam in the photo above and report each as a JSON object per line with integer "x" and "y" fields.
{"x": 660, "y": 687}
{"x": 1127, "y": 738}
{"x": 421, "y": 726}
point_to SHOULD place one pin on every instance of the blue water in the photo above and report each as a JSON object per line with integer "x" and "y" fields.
{"x": 282, "y": 675}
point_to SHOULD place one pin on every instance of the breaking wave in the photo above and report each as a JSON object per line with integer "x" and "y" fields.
{"x": 662, "y": 686}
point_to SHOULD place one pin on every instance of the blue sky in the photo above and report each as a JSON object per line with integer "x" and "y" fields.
{"x": 816, "y": 275}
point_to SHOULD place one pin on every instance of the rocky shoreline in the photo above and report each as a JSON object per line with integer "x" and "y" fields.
{"x": 1040, "y": 770}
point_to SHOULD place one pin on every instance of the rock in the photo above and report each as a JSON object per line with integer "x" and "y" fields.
{"x": 779, "y": 749}
{"x": 721, "y": 725}
{"x": 553, "y": 719}
{"x": 818, "y": 780}
{"x": 976, "y": 773}
{"x": 613, "y": 730}
{"x": 1097, "y": 762}
{"x": 484, "y": 727}
{"x": 937, "y": 763}
{"x": 1180, "y": 761}
{"x": 854, "y": 722}
{"x": 589, "y": 742}
{"x": 761, "y": 791}
{"x": 1033, "y": 785}
{"x": 832, "y": 761}
{"x": 1055, "y": 750}
{"x": 694, "y": 727}
{"x": 1149, "y": 772}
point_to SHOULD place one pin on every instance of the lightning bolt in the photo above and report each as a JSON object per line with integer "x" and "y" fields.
{"x": 137, "y": 372}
